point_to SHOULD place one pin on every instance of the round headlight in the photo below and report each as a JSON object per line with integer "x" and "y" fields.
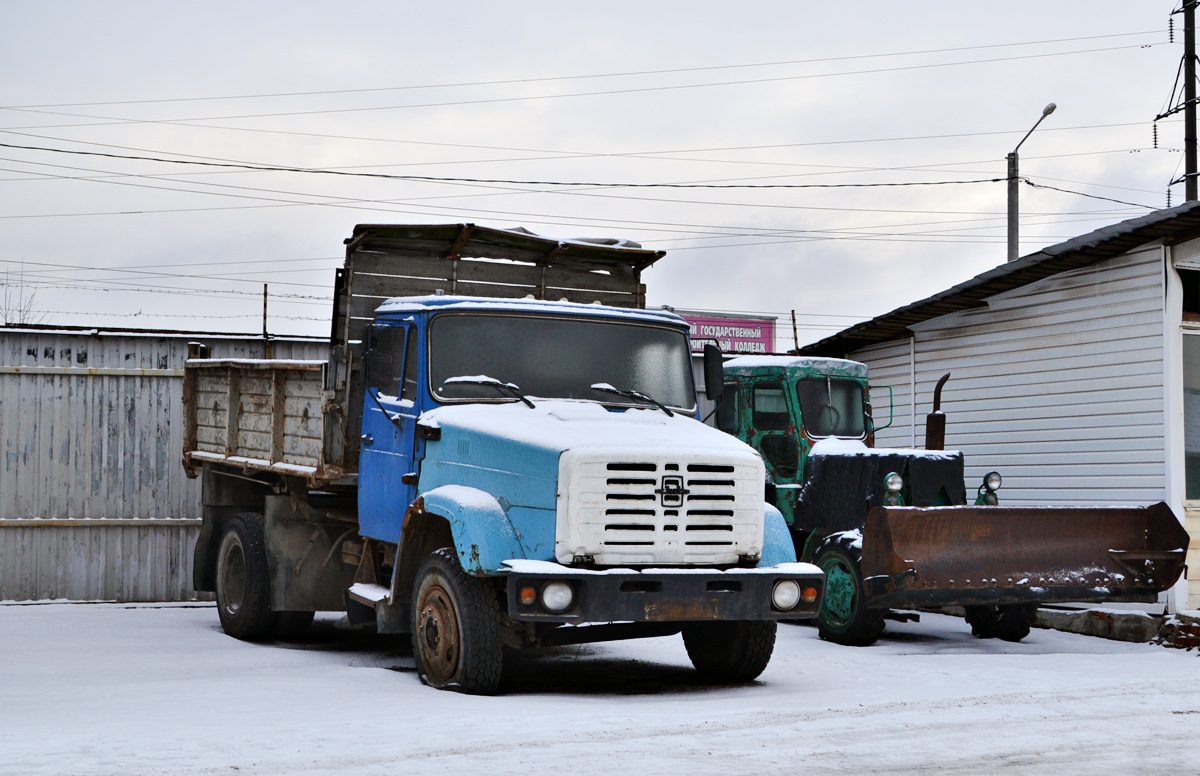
{"x": 992, "y": 480}
{"x": 557, "y": 597}
{"x": 894, "y": 482}
{"x": 786, "y": 594}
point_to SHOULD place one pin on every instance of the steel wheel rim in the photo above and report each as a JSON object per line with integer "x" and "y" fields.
{"x": 232, "y": 583}
{"x": 841, "y": 593}
{"x": 438, "y": 635}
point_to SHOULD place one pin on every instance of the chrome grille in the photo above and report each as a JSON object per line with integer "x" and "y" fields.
{"x": 671, "y": 511}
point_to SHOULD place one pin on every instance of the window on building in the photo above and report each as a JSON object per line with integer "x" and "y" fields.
{"x": 1191, "y": 294}
{"x": 1191, "y": 414}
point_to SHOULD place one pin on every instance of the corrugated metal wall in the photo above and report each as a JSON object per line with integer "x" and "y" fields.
{"x": 1057, "y": 385}
{"x": 94, "y": 503}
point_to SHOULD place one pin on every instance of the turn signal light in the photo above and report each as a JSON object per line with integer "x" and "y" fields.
{"x": 808, "y": 595}
{"x": 528, "y": 596}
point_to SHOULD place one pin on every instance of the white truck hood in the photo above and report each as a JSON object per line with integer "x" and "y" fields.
{"x": 560, "y": 425}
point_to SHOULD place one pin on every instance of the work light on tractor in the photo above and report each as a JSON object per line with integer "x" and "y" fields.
{"x": 987, "y": 491}
{"x": 893, "y": 484}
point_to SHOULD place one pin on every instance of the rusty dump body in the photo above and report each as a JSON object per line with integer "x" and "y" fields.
{"x": 966, "y": 555}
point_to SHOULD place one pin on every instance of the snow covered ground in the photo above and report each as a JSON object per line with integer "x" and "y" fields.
{"x": 114, "y": 689}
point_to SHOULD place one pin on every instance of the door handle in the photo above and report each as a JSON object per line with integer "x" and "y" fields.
{"x": 368, "y": 440}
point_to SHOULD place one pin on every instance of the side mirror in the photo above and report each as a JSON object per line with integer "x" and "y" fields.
{"x": 714, "y": 373}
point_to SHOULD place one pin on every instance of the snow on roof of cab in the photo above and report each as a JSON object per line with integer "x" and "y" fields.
{"x": 409, "y": 304}
{"x": 853, "y": 368}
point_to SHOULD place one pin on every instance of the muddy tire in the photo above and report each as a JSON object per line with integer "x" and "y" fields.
{"x": 456, "y": 627}
{"x": 244, "y": 580}
{"x": 1007, "y": 623}
{"x": 844, "y": 617}
{"x": 730, "y": 652}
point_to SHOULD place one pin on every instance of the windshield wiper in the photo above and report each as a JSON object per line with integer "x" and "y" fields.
{"x": 606, "y": 388}
{"x": 506, "y": 388}
{"x": 392, "y": 416}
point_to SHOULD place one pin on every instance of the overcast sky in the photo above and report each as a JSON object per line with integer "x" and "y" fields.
{"x": 616, "y": 92}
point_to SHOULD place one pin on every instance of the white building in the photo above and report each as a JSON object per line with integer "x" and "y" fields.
{"x": 1075, "y": 371}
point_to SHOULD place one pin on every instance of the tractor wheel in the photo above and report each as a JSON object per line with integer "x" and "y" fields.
{"x": 1007, "y": 623}
{"x": 244, "y": 580}
{"x": 844, "y": 617}
{"x": 456, "y": 627}
{"x": 730, "y": 652}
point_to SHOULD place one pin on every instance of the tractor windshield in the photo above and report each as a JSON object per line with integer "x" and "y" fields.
{"x": 831, "y": 407}
{"x": 560, "y": 357}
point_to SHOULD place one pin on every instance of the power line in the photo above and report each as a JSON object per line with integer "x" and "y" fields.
{"x": 513, "y": 81}
{"x": 144, "y": 314}
{"x": 112, "y": 121}
{"x": 1089, "y": 196}
{"x": 658, "y": 154}
{"x": 505, "y": 181}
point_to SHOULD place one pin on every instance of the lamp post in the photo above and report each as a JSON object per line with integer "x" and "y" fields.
{"x": 1013, "y": 182}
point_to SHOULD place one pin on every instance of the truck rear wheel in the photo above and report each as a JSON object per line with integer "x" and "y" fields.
{"x": 244, "y": 580}
{"x": 730, "y": 652}
{"x": 1007, "y": 623}
{"x": 456, "y": 627}
{"x": 844, "y": 617}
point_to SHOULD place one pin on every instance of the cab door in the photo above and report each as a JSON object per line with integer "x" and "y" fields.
{"x": 774, "y": 433}
{"x": 388, "y": 432}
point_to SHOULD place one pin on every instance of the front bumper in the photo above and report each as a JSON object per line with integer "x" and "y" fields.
{"x": 661, "y": 595}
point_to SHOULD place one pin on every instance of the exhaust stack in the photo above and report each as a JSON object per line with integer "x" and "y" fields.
{"x": 935, "y": 422}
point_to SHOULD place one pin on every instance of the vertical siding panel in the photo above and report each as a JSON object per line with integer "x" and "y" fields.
{"x": 99, "y": 447}
{"x": 1058, "y": 385}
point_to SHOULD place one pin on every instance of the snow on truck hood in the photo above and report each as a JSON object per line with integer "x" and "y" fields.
{"x": 561, "y": 425}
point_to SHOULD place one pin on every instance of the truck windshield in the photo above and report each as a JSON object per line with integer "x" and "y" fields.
{"x": 831, "y": 407}
{"x": 560, "y": 358}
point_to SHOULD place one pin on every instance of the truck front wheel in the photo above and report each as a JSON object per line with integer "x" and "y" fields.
{"x": 456, "y": 627}
{"x": 844, "y": 617}
{"x": 730, "y": 652}
{"x": 244, "y": 580}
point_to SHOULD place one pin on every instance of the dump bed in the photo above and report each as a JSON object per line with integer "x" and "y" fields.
{"x": 302, "y": 418}
{"x": 259, "y": 414}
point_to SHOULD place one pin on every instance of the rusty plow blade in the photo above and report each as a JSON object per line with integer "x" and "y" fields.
{"x": 942, "y": 556}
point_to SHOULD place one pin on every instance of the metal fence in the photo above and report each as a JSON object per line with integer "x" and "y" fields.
{"x": 94, "y": 502}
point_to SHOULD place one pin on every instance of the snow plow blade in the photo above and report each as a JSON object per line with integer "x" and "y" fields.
{"x": 944, "y": 556}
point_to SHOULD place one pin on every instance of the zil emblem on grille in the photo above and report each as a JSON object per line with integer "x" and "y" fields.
{"x": 672, "y": 491}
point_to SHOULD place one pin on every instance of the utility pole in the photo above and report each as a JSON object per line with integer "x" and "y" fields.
{"x": 1189, "y": 97}
{"x": 268, "y": 347}
{"x": 1014, "y": 182}
{"x": 1186, "y": 102}
{"x": 1014, "y": 208}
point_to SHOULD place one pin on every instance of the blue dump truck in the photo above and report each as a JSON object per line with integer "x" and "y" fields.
{"x": 501, "y": 452}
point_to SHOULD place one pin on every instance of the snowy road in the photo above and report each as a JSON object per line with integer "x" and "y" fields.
{"x": 110, "y": 689}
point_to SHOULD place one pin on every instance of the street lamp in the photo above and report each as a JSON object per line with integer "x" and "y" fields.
{"x": 1013, "y": 178}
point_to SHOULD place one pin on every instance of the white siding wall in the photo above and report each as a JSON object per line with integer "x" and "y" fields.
{"x": 890, "y": 366}
{"x": 1057, "y": 385}
{"x": 94, "y": 503}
